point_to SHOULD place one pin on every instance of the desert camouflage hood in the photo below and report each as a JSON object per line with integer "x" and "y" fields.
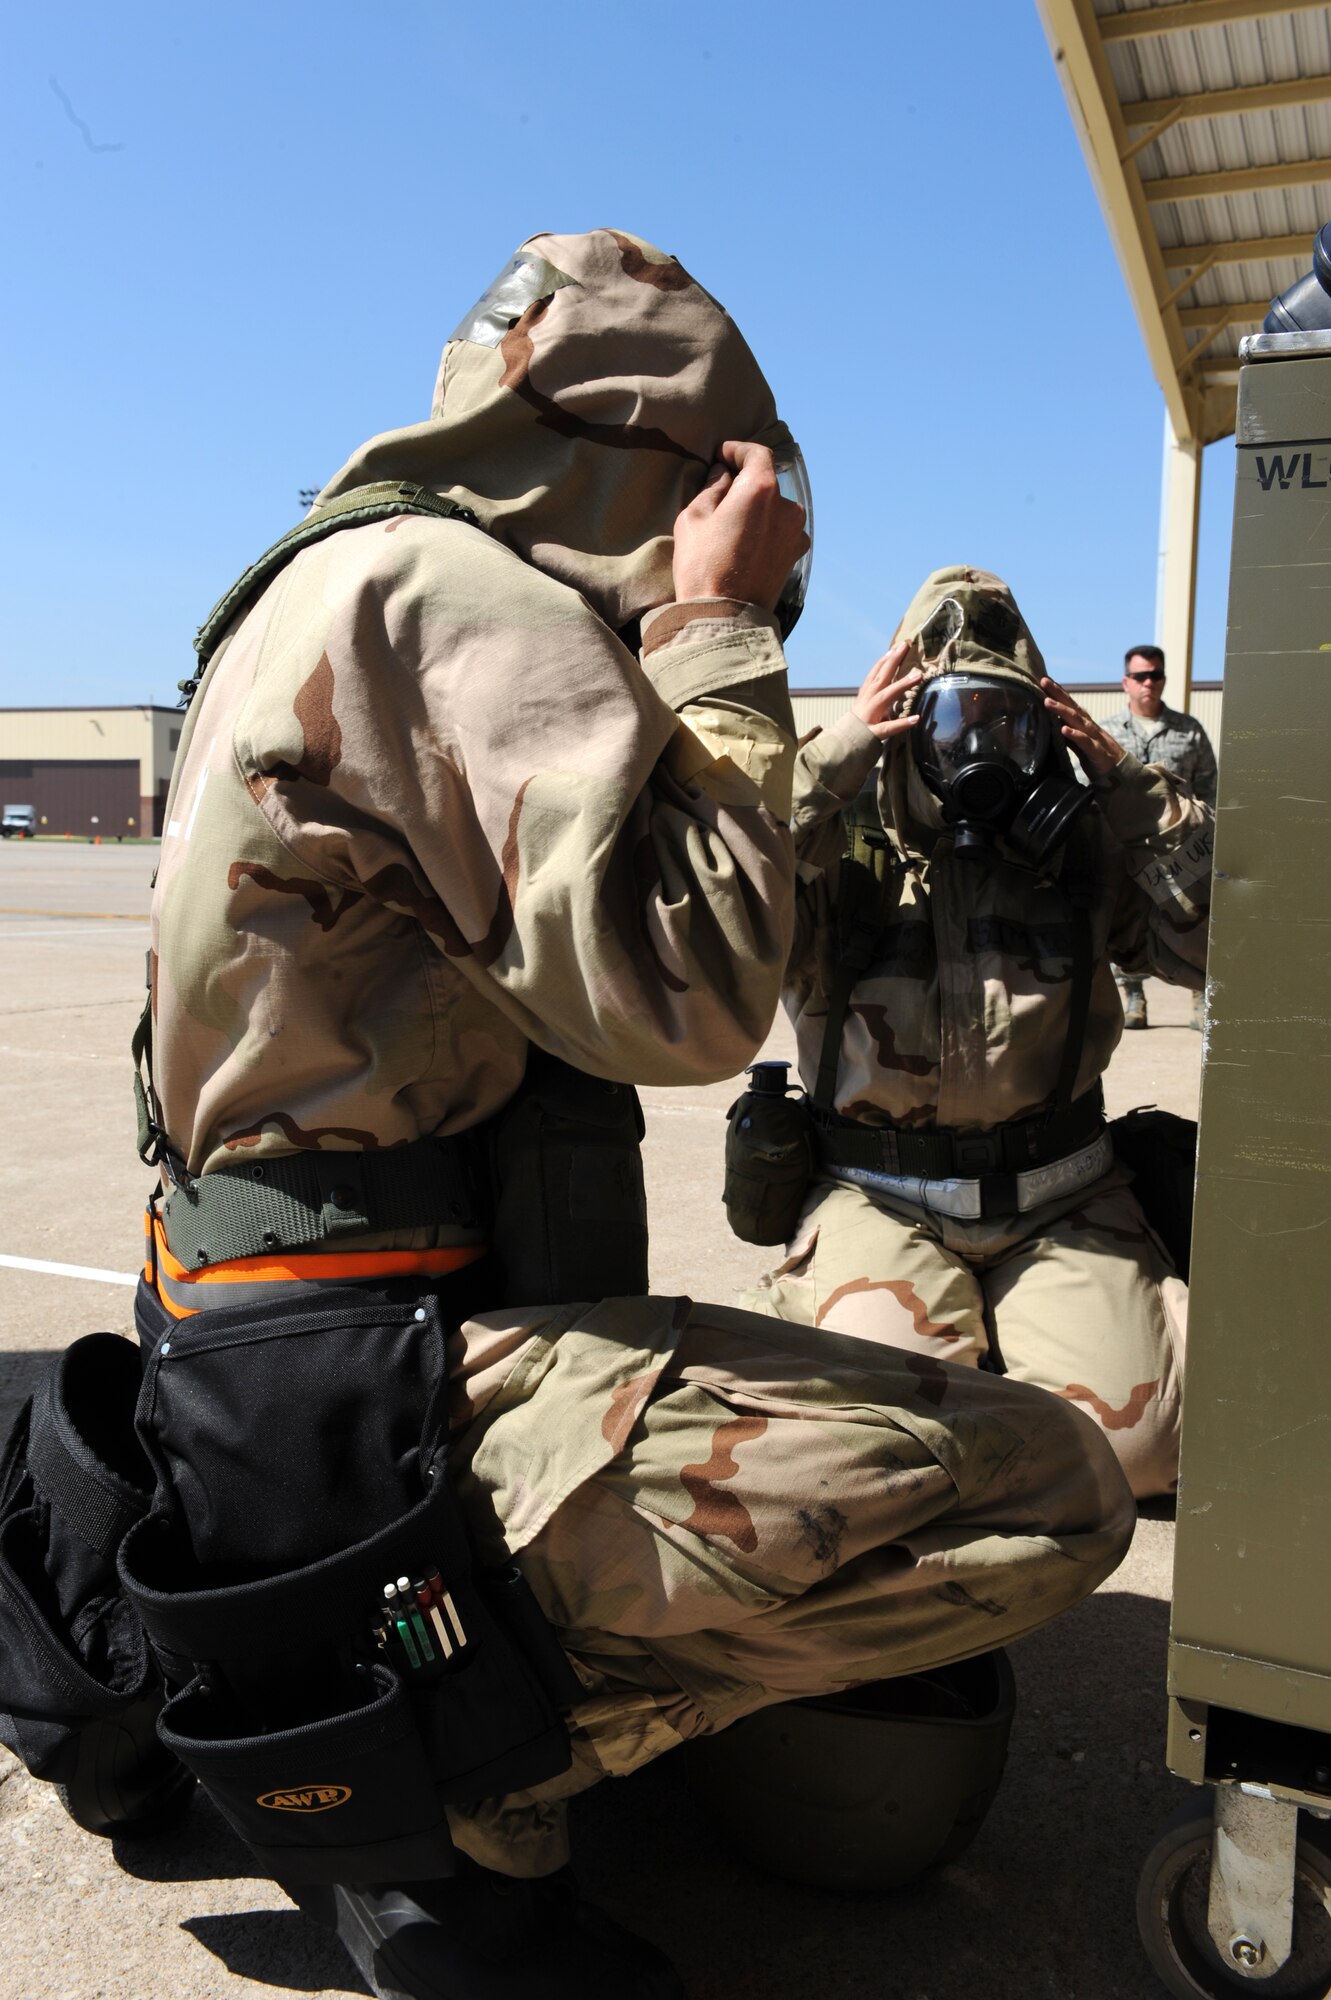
{"x": 428, "y": 808}
{"x": 577, "y": 410}
{"x": 985, "y": 633}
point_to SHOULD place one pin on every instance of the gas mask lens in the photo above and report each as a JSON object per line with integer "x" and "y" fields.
{"x": 793, "y": 479}
{"x": 983, "y": 747}
{"x": 967, "y": 720}
{"x": 524, "y": 279}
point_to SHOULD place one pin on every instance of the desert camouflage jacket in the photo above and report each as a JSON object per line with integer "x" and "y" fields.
{"x": 429, "y": 808}
{"x": 961, "y": 1019}
{"x": 1175, "y": 740}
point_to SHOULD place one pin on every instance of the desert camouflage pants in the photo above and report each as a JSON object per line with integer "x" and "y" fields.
{"x": 1078, "y": 1297}
{"x": 718, "y": 1511}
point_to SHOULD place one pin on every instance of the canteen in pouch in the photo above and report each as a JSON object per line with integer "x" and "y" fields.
{"x": 79, "y": 1690}
{"x": 769, "y": 1156}
{"x": 340, "y": 1669}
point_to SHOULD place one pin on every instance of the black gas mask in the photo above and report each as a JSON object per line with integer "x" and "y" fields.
{"x": 985, "y": 748}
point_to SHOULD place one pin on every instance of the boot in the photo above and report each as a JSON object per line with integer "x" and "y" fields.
{"x": 483, "y": 1936}
{"x": 1134, "y": 1005}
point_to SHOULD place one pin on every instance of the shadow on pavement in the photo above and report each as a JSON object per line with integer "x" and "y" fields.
{"x": 199, "y": 1848}
{"x": 1041, "y": 1904}
{"x": 277, "y": 1948}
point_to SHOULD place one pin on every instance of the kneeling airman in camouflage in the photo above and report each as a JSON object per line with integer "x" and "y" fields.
{"x": 497, "y": 773}
{"x": 959, "y": 906}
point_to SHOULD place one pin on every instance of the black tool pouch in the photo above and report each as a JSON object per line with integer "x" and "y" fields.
{"x": 79, "y": 1687}
{"x": 1160, "y": 1150}
{"x": 570, "y": 1209}
{"x": 299, "y": 1448}
{"x": 769, "y": 1159}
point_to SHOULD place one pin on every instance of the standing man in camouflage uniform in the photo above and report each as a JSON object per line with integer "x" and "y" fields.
{"x": 966, "y": 1205}
{"x": 1158, "y": 734}
{"x": 450, "y": 793}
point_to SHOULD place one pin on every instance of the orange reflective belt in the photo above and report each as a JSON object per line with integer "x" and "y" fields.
{"x": 183, "y": 1291}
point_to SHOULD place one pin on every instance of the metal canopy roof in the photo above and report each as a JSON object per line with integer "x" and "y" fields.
{"x": 1207, "y": 128}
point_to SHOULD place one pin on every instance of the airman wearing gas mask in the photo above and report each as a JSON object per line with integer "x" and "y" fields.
{"x": 959, "y": 905}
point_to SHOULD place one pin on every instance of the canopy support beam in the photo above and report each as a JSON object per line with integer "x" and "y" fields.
{"x": 1176, "y": 576}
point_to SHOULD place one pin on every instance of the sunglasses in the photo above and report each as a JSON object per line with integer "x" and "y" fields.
{"x": 1156, "y": 674}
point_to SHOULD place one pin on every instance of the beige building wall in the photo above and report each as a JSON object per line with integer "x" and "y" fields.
{"x": 56, "y": 735}
{"x": 815, "y": 708}
{"x": 167, "y": 725}
{"x": 151, "y": 735}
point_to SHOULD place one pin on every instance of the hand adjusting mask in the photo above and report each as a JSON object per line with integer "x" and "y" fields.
{"x": 985, "y": 748}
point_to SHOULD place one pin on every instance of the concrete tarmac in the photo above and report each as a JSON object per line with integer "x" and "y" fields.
{"x": 1041, "y": 1906}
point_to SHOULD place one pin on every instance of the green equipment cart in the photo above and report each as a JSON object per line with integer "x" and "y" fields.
{"x": 1237, "y": 1893}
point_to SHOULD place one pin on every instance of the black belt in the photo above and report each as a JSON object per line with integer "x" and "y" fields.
{"x": 950, "y": 1155}
{"x": 298, "y": 1199}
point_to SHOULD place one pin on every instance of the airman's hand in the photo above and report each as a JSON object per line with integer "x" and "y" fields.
{"x": 1096, "y": 748}
{"x": 885, "y": 686}
{"x": 739, "y": 537}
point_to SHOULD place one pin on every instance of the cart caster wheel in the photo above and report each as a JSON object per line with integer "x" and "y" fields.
{"x": 1171, "y": 1914}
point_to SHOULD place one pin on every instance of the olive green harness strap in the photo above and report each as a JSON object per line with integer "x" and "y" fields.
{"x": 297, "y": 1200}
{"x": 376, "y": 502}
{"x": 152, "y": 1140}
{"x": 1078, "y": 882}
{"x": 1079, "y": 1008}
{"x": 861, "y": 914}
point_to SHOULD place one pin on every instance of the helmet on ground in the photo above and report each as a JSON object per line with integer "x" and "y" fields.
{"x": 865, "y": 1790}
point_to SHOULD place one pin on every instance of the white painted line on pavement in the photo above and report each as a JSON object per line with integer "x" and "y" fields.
{"x": 71, "y": 1271}
{"x": 48, "y": 1055}
{"x": 100, "y": 916}
{"x": 659, "y": 1110}
{"x": 72, "y": 936}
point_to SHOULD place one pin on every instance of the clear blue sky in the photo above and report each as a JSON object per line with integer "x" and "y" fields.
{"x": 236, "y": 236}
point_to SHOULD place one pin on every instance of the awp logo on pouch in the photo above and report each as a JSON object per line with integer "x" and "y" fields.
{"x": 305, "y": 1798}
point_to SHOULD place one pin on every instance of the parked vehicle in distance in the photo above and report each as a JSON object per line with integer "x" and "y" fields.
{"x": 21, "y": 820}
